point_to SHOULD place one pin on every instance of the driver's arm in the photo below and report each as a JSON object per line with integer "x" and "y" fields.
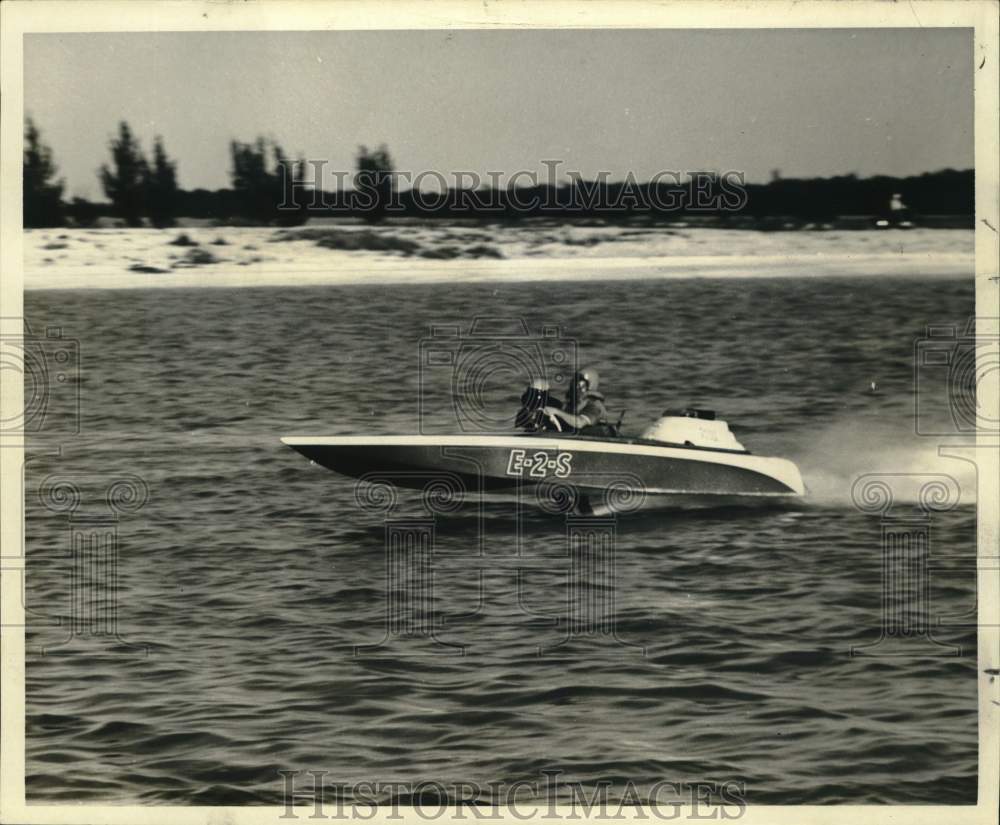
{"x": 577, "y": 421}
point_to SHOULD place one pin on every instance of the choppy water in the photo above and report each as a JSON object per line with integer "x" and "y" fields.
{"x": 250, "y": 576}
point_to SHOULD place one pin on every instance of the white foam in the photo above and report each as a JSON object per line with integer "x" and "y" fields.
{"x": 843, "y": 454}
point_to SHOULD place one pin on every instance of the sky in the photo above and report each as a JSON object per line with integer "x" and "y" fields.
{"x": 805, "y": 102}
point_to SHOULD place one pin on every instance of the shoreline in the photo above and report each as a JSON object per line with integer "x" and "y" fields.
{"x": 213, "y": 257}
{"x": 402, "y": 272}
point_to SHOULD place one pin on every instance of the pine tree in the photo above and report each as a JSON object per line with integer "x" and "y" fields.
{"x": 125, "y": 186}
{"x": 250, "y": 179}
{"x": 373, "y": 183}
{"x": 293, "y": 201}
{"x": 161, "y": 187}
{"x": 261, "y": 191}
{"x": 42, "y": 196}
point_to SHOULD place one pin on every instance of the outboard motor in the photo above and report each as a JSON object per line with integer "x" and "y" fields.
{"x": 693, "y": 428}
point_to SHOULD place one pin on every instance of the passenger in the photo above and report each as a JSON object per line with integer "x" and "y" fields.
{"x": 584, "y": 411}
{"x": 533, "y": 400}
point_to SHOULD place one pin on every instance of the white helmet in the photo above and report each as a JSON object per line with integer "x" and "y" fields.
{"x": 590, "y": 375}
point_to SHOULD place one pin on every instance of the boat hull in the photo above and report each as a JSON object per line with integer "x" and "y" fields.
{"x": 589, "y": 467}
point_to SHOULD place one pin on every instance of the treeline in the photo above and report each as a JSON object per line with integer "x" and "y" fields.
{"x": 143, "y": 190}
{"x": 947, "y": 192}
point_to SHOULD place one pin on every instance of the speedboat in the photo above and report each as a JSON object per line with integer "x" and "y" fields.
{"x": 684, "y": 458}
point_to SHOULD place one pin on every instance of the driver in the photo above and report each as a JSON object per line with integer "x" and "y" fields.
{"x": 584, "y": 404}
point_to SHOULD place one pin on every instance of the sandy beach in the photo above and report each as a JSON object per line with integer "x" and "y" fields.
{"x": 206, "y": 256}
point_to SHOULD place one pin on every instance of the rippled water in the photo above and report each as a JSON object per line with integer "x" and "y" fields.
{"x": 249, "y": 576}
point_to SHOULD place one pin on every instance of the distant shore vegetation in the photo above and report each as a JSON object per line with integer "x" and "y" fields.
{"x": 266, "y": 189}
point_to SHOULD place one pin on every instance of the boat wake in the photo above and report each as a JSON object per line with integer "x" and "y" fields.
{"x": 848, "y": 454}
